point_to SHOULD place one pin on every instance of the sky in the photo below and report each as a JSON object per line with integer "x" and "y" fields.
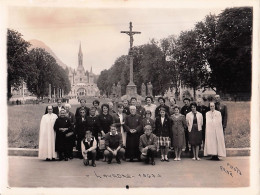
{"x": 98, "y": 29}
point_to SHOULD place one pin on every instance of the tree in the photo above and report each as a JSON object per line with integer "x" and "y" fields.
{"x": 46, "y": 71}
{"x": 230, "y": 61}
{"x": 190, "y": 61}
{"x": 171, "y": 53}
{"x": 18, "y": 67}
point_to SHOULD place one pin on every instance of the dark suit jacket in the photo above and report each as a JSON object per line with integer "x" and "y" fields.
{"x": 223, "y": 109}
{"x": 164, "y": 129}
{"x": 77, "y": 114}
{"x": 116, "y": 120}
{"x": 133, "y": 122}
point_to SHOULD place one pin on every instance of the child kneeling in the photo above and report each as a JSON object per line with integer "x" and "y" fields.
{"x": 88, "y": 148}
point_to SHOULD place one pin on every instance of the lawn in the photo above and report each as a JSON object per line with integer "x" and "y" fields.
{"x": 24, "y": 122}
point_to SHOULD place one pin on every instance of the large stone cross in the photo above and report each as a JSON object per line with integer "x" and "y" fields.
{"x": 131, "y": 33}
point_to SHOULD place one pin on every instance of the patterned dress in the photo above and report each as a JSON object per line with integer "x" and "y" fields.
{"x": 178, "y": 135}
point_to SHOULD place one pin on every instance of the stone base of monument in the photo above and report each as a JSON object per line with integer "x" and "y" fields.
{"x": 131, "y": 91}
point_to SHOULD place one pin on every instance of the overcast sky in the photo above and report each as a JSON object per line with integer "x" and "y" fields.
{"x": 98, "y": 30}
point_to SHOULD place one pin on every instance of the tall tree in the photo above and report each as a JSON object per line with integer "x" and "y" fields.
{"x": 18, "y": 67}
{"x": 46, "y": 71}
{"x": 231, "y": 59}
{"x": 190, "y": 61}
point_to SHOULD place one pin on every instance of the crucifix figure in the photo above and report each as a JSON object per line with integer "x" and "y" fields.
{"x": 131, "y": 33}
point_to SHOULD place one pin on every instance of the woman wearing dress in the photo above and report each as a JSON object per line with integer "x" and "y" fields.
{"x": 194, "y": 122}
{"x": 214, "y": 141}
{"x": 47, "y": 136}
{"x": 104, "y": 122}
{"x": 163, "y": 131}
{"x": 150, "y": 106}
{"x": 178, "y": 135}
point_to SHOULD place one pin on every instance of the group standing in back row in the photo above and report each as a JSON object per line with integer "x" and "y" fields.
{"x": 133, "y": 132}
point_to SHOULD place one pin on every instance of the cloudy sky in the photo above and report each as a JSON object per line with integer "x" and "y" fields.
{"x": 98, "y": 30}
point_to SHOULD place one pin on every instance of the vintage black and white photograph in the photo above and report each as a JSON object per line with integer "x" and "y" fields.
{"x": 130, "y": 97}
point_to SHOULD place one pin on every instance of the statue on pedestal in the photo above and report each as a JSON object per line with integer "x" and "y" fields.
{"x": 143, "y": 90}
{"x": 119, "y": 90}
{"x": 114, "y": 90}
{"x": 149, "y": 89}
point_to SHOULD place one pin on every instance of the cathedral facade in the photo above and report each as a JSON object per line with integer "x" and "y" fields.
{"x": 82, "y": 82}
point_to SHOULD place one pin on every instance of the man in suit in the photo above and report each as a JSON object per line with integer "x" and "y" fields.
{"x": 185, "y": 110}
{"x": 203, "y": 110}
{"x": 223, "y": 110}
{"x": 148, "y": 145}
{"x": 57, "y": 109}
{"x": 82, "y": 106}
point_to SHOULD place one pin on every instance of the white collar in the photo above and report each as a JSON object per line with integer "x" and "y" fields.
{"x": 110, "y": 133}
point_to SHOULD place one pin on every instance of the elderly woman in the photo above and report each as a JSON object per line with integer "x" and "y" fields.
{"x": 195, "y": 121}
{"x": 71, "y": 139}
{"x": 214, "y": 141}
{"x": 47, "y": 136}
{"x": 179, "y": 125}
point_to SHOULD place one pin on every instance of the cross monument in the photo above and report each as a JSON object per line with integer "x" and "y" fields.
{"x": 131, "y": 87}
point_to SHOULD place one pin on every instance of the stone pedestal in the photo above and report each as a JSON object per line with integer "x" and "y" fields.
{"x": 131, "y": 89}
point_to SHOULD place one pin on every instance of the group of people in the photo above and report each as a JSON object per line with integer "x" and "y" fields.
{"x": 132, "y": 131}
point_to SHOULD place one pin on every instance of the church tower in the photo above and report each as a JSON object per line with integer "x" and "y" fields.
{"x": 91, "y": 76}
{"x": 80, "y": 56}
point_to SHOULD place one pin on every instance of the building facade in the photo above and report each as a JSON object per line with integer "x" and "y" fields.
{"x": 82, "y": 82}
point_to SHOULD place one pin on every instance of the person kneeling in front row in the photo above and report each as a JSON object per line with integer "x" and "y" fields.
{"x": 148, "y": 145}
{"x": 88, "y": 148}
{"x": 114, "y": 144}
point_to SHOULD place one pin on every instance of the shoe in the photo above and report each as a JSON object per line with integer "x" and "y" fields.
{"x": 167, "y": 160}
{"x": 66, "y": 159}
{"x": 104, "y": 160}
{"x": 94, "y": 164}
{"x": 85, "y": 161}
{"x": 175, "y": 159}
{"x": 179, "y": 159}
{"x": 153, "y": 163}
{"x": 187, "y": 150}
{"x": 109, "y": 162}
{"x": 198, "y": 158}
{"x": 118, "y": 161}
{"x": 53, "y": 159}
{"x": 194, "y": 158}
{"x": 131, "y": 160}
{"x": 162, "y": 159}
{"x": 47, "y": 159}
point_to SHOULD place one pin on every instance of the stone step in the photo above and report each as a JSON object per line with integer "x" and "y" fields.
{"x": 230, "y": 152}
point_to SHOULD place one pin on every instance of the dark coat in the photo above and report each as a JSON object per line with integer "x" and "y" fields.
{"x": 141, "y": 111}
{"x": 126, "y": 110}
{"x": 92, "y": 125}
{"x": 61, "y": 142}
{"x": 132, "y": 139}
{"x": 222, "y": 108}
{"x": 185, "y": 110}
{"x": 164, "y": 129}
{"x": 104, "y": 122}
{"x": 77, "y": 113}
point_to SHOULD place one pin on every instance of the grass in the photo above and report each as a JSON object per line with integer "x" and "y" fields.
{"x": 24, "y": 122}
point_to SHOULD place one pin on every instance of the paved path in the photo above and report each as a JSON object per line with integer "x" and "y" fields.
{"x": 32, "y": 172}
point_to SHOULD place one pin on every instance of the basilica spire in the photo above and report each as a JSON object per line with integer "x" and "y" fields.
{"x": 80, "y": 56}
